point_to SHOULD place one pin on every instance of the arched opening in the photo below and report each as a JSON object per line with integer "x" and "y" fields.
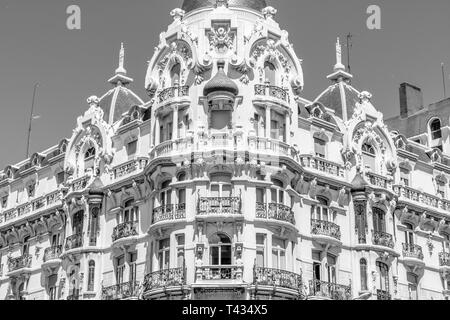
{"x": 383, "y": 272}
{"x": 220, "y": 256}
{"x": 435, "y": 132}
{"x": 89, "y": 159}
{"x": 270, "y": 73}
{"x": 369, "y": 157}
{"x": 175, "y": 73}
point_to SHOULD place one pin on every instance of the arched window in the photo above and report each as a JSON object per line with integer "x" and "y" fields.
{"x": 220, "y": 250}
{"x": 270, "y": 73}
{"x": 379, "y": 220}
{"x": 383, "y": 272}
{"x": 175, "y": 74}
{"x": 90, "y": 153}
{"x": 91, "y": 275}
{"x": 89, "y": 158}
{"x": 435, "y": 129}
{"x": 363, "y": 272}
{"x": 369, "y": 157}
{"x": 320, "y": 212}
{"x": 360, "y": 220}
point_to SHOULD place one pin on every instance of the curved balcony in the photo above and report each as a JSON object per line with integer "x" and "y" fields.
{"x": 124, "y": 291}
{"x": 412, "y": 255}
{"x": 125, "y": 233}
{"x": 381, "y": 242}
{"x": 267, "y": 93}
{"x": 275, "y": 212}
{"x": 169, "y": 213}
{"x": 269, "y": 146}
{"x": 52, "y": 257}
{"x": 211, "y": 208}
{"x": 162, "y": 282}
{"x": 325, "y": 232}
{"x": 444, "y": 261}
{"x": 219, "y": 274}
{"x": 168, "y": 95}
{"x": 411, "y": 196}
{"x": 379, "y": 181}
{"x": 323, "y": 166}
{"x": 322, "y": 290}
{"x": 74, "y": 242}
{"x": 19, "y": 265}
{"x": 284, "y": 282}
{"x": 383, "y": 239}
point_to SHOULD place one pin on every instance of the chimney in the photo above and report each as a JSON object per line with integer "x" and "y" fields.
{"x": 411, "y": 100}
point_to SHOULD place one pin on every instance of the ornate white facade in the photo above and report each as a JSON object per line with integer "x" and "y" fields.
{"x": 227, "y": 183}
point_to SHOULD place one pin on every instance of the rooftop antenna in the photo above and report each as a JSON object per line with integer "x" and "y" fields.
{"x": 32, "y": 117}
{"x": 349, "y": 46}
{"x": 443, "y": 79}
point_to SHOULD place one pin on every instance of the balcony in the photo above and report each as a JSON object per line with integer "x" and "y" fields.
{"x": 20, "y": 264}
{"x": 124, "y": 291}
{"x": 412, "y": 255}
{"x": 410, "y": 195}
{"x": 274, "y": 94}
{"x": 219, "y": 207}
{"x": 219, "y": 274}
{"x": 329, "y": 291}
{"x": 383, "y": 295}
{"x": 172, "y": 93}
{"x": 269, "y": 146}
{"x": 160, "y": 282}
{"x": 52, "y": 257}
{"x": 383, "y": 239}
{"x": 279, "y": 279}
{"x": 169, "y": 213}
{"x": 125, "y": 231}
{"x": 276, "y": 212}
{"x": 326, "y": 232}
{"x": 129, "y": 168}
{"x": 322, "y": 165}
{"x": 80, "y": 184}
{"x": 379, "y": 181}
{"x": 444, "y": 261}
{"x": 74, "y": 242}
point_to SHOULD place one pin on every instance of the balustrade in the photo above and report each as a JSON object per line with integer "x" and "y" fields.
{"x": 325, "y": 228}
{"x": 18, "y": 263}
{"x": 173, "y": 92}
{"x": 52, "y": 253}
{"x": 277, "y": 278}
{"x": 272, "y": 91}
{"x": 384, "y": 239}
{"x": 164, "y": 278}
{"x": 121, "y": 291}
{"x": 330, "y": 290}
{"x": 412, "y": 251}
{"x": 219, "y": 205}
{"x": 73, "y": 242}
{"x": 275, "y": 211}
{"x": 125, "y": 230}
{"x": 209, "y": 273}
{"x": 322, "y": 165}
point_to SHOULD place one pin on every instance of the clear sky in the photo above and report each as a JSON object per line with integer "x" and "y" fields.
{"x": 36, "y": 46}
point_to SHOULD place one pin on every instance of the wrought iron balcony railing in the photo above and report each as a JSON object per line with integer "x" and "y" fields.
{"x": 52, "y": 253}
{"x": 277, "y": 278}
{"x": 173, "y": 92}
{"x": 74, "y": 241}
{"x": 169, "y": 212}
{"x": 219, "y": 205}
{"x": 384, "y": 239}
{"x": 275, "y": 211}
{"x": 164, "y": 278}
{"x": 412, "y": 251}
{"x": 444, "y": 259}
{"x": 18, "y": 263}
{"x": 325, "y": 228}
{"x": 272, "y": 91}
{"x": 125, "y": 230}
{"x": 121, "y": 291}
{"x": 383, "y": 295}
{"x": 330, "y": 290}
{"x": 219, "y": 272}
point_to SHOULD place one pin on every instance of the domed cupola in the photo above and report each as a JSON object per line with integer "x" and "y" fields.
{"x": 120, "y": 99}
{"x": 221, "y": 87}
{"x": 191, "y": 5}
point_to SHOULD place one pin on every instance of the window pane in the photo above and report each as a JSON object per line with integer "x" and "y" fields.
{"x": 132, "y": 147}
{"x": 260, "y": 195}
{"x": 215, "y": 256}
{"x": 226, "y": 255}
{"x": 275, "y": 262}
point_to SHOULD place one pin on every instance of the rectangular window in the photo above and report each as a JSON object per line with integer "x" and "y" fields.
{"x": 319, "y": 147}
{"x": 4, "y": 202}
{"x": 331, "y": 269}
{"x": 164, "y": 254}
{"x": 256, "y": 124}
{"x": 261, "y": 250}
{"x": 260, "y": 192}
{"x": 161, "y": 134}
{"x": 275, "y": 128}
{"x": 404, "y": 177}
{"x": 60, "y": 178}
{"x": 52, "y": 287}
{"x": 441, "y": 189}
{"x": 278, "y": 253}
{"x": 181, "y": 196}
{"x": 132, "y": 148}
{"x": 317, "y": 265}
{"x": 180, "y": 250}
{"x": 133, "y": 260}
{"x": 55, "y": 240}
{"x": 169, "y": 131}
{"x": 120, "y": 268}
{"x": 412, "y": 286}
{"x": 26, "y": 246}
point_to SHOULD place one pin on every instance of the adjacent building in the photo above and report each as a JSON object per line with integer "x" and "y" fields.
{"x": 228, "y": 184}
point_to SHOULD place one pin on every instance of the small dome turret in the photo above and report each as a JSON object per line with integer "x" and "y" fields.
{"x": 221, "y": 82}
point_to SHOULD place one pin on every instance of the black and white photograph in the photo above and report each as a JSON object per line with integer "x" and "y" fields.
{"x": 224, "y": 155}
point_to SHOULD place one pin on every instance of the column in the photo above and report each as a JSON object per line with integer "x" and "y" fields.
{"x": 268, "y": 121}
{"x": 157, "y": 132}
{"x": 175, "y": 123}
{"x": 288, "y": 128}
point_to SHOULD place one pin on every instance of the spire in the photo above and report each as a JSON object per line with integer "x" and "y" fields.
{"x": 339, "y": 69}
{"x": 120, "y": 77}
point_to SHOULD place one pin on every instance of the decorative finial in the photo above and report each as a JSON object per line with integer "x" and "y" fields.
{"x": 339, "y": 65}
{"x": 121, "y": 69}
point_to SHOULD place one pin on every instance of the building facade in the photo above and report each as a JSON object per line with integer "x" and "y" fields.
{"x": 228, "y": 184}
